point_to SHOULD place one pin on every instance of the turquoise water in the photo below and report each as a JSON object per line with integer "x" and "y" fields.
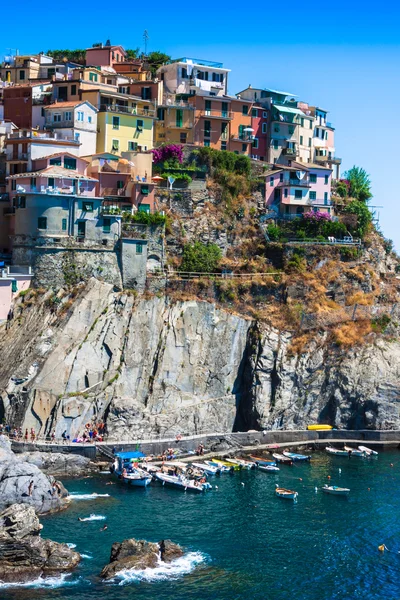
{"x": 242, "y": 542}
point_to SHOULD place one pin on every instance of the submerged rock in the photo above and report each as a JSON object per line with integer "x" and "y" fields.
{"x": 138, "y": 554}
{"x": 24, "y": 483}
{"x": 24, "y": 555}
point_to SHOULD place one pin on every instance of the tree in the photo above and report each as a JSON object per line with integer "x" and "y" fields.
{"x": 200, "y": 258}
{"x": 156, "y": 59}
{"x": 76, "y": 56}
{"x": 359, "y": 184}
{"x": 363, "y": 214}
{"x": 132, "y": 53}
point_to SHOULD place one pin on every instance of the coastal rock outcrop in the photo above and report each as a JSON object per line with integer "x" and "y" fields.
{"x": 56, "y": 463}
{"x": 24, "y": 555}
{"x": 138, "y": 554}
{"x": 24, "y": 483}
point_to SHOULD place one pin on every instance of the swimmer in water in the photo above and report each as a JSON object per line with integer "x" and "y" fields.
{"x": 103, "y": 528}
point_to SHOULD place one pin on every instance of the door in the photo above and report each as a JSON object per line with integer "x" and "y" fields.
{"x": 179, "y": 118}
{"x": 224, "y": 111}
{"x": 81, "y": 228}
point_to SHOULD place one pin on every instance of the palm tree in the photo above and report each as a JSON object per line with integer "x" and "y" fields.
{"x": 359, "y": 184}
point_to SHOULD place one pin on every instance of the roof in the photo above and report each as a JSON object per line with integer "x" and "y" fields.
{"x": 70, "y": 104}
{"x": 127, "y": 455}
{"x": 61, "y": 154}
{"x": 105, "y": 155}
{"x": 53, "y": 171}
{"x": 289, "y": 110}
{"x": 268, "y": 90}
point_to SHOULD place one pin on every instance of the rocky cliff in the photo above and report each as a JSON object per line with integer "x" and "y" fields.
{"x": 157, "y": 366}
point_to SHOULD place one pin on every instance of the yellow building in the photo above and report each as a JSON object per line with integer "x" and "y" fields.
{"x": 175, "y": 123}
{"x": 124, "y": 123}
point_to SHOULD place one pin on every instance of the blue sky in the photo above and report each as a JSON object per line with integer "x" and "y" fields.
{"x": 344, "y": 57}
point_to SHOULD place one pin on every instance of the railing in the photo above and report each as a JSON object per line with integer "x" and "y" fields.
{"x": 120, "y": 192}
{"x": 170, "y": 123}
{"x": 196, "y": 275}
{"x": 294, "y": 182}
{"x": 35, "y": 135}
{"x": 242, "y": 138}
{"x": 171, "y": 102}
{"x": 290, "y": 151}
{"x": 333, "y": 159}
{"x": 127, "y": 110}
{"x": 220, "y": 114}
{"x": 20, "y": 156}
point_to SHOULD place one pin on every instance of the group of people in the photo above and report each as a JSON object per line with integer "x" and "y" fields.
{"x": 17, "y": 433}
{"x": 93, "y": 432}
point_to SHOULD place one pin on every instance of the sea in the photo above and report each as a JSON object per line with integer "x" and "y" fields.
{"x": 240, "y": 540}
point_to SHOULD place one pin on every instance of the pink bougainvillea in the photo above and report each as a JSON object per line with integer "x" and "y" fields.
{"x": 317, "y": 217}
{"x": 163, "y": 153}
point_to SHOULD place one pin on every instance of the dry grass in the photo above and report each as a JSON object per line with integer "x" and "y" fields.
{"x": 360, "y": 298}
{"x": 352, "y": 333}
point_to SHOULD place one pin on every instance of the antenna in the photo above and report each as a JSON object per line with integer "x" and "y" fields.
{"x": 146, "y": 38}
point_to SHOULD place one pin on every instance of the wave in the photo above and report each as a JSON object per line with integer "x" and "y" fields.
{"x": 43, "y": 582}
{"x": 163, "y": 571}
{"x": 86, "y": 555}
{"x": 77, "y": 496}
{"x": 93, "y": 518}
{"x": 71, "y": 545}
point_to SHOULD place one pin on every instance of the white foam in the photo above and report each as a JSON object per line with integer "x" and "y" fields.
{"x": 76, "y": 496}
{"x": 42, "y": 582}
{"x": 173, "y": 570}
{"x": 70, "y": 545}
{"x": 94, "y": 518}
{"x": 85, "y": 555}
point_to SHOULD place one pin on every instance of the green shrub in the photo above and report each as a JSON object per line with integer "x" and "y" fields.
{"x": 274, "y": 232}
{"x": 349, "y": 253}
{"x": 200, "y": 258}
{"x": 177, "y": 176}
{"x": 148, "y": 218}
{"x": 363, "y": 214}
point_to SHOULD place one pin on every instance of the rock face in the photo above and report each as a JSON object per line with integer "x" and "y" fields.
{"x": 138, "y": 554}
{"x": 21, "y": 482}
{"x": 157, "y": 367}
{"x": 69, "y": 465}
{"x": 24, "y": 555}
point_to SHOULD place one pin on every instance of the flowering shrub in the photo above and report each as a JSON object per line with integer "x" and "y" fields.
{"x": 165, "y": 152}
{"x": 317, "y": 217}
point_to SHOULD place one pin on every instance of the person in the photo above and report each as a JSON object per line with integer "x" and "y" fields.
{"x": 32, "y": 435}
{"x": 64, "y": 435}
{"x": 104, "y": 528}
{"x": 53, "y": 435}
{"x": 30, "y": 488}
{"x": 161, "y": 546}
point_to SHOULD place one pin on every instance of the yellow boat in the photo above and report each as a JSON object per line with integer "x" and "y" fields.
{"x": 319, "y": 427}
{"x": 224, "y": 463}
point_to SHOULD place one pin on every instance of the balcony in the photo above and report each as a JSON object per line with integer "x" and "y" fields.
{"x": 294, "y": 183}
{"x": 244, "y": 137}
{"x": 174, "y": 124}
{"x": 63, "y": 123}
{"x": 170, "y": 101}
{"x": 335, "y": 160}
{"x": 217, "y": 114}
{"x": 127, "y": 110}
{"x": 21, "y": 156}
{"x": 290, "y": 152}
{"x": 114, "y": 208}
{"x": 117, "y": 192}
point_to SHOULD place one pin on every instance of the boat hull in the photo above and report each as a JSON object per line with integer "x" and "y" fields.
{"x": 368, "y": 451}
{"x": 336, "y": 452}
{"x": 297, "y": 457}
{"x": 282, "y": 459}
{"x": 268, "y": 468}
{"x": 336, "y": 491}
{"x": 263, "y": 461}
{"x": 286, "y": 494}
{"x": 176, "y": 483}
{"x": 319, "y": 427}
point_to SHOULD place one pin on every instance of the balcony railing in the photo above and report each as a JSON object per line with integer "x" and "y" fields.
{"x": 19, "y": 156}
{"x": 294, "y": 182}
{"x": 243, "y": 137}
{"x": 290, "y": 151}
{"x": 328, "y": 159}
{"x": 118, "y": 192}
{"x": 218, "y": 114}
{"x": 127, "y": 110}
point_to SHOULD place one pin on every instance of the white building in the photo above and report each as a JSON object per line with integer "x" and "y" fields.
{"x": 75, "y": 120}
{"x": 191, "y": 76}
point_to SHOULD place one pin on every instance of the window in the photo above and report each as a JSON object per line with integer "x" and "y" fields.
{"x": 42, "y": 223}
{"x": 223, "y": 145}
{"x": 183, "y": 138}
{"x": 106, "y": 225}
{"x": 115, "y": 146}
{"x": 21, "y": 201}
{"x": 184, "y": 73}
{"x": 277, "y": 128}
{"x": 13, "y": 185}
{"x": 271, "y": 182}
{"x": 244, "y": 147}
{"x": 313, "y": 195}
{"x": 309, "y": 142}
{"x": 89, "y": 119}
{"x": 208, "y": 107}
{"x": 146, "y": 93}
{"x": 93, "y": 77}
{"x": 310, "y": 124}
{"x": 285, "y": 192}
{"x": 313, "y": 178}
{"x": 298, "y": 194}
{"x": 302, "y": 121}
{"x": 80, "y": 115}
{"x": 14, "y": 286}
{"x": 317, "y": 131}
{"x": 224, "y": 131}
{"x": 50, "y": 182}
{"x": 33, "y": 182}
{"x": 139, "y": 124}
{"x": 325, "y": 197}
{"x": 245, "y": 109}
{"x": 281, "y": 177}
{"x": 291, "y": 130}
{"x": 265, "y": 114}
{"x": 301, "y": 140}
{"x": 207, "y": 143}
{"x": 120, "y": 184}
{"x": 275, "y": 144}
{"x": 326, "y": 179}
{"x": 179, "y": 117}
{"x": 56, "y": 161}
{"x": 255, "y": 143}
{"x": 73, "y": 90}
{"x": 254, "y": 112}
{"x": 77, "y": 137}
{"x": 69, "y": 163}
{"x": 64, "y": 224}
{"x": 56, "y": 118}
{"x": 224, "y": 110}
{"x": 264, "y": 128}
{"x": 132, "y": 146}
{"x": 161, "y": 114}
{"x": 115, "y": 122}
{"x": 81, "y": 228}
{"x": 207, "y": 129}
{"x": 22, "y": 75}
{"x": 87, "y": 206}
{"x": 68, "y": 116}
{"x": 139, "y": 248}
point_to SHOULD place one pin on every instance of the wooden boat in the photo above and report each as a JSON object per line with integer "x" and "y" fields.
{"x": 225, "y": 463}
{"x": 244, "y": 464}
{"x": 263, "y": 461}
{"x": 354, "y": 451}
{"x": 368, "y": 451}
{"x": 222, "y": 468}
{"x": 180, "y": 482}
{"x": 126, "y": 469}
{"x": 287, "y": 494}
{"x": 336, "y": 451}
{"x": 335, "y": 490}
{"x": 268, "y": 468}
{"x": 207, "y": 468}
{"x": 296, "y": 457}
{"x": 282, "y": 459}
{"x": 136, "y": 477}
{"x": 319, "y": 427}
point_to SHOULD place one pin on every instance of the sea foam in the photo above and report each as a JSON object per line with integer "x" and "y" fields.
{"x": 94, "y": 518}
{"x": 76, "y": 496}
{"x": 163, "y": 571}
{"x": 43, "y": 582}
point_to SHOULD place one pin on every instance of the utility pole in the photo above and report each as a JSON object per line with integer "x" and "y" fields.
{"x": 146, "y": 38}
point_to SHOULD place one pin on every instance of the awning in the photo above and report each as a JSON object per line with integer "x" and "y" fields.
{"x": 128, "y": 455}
{"x": 289, "y": 111}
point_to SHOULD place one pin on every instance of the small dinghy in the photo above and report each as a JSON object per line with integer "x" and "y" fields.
{"x": 354, "y": 452}
{"x": 282, "y": 459}
{"x": 225, "y": 463}
{"x": 336, "y": 451}
{"x": 180, "y": 482}
{"x": 268, "y": 468}
{"x": 287, "y": 494}
{"x": 221, "y": 468}
{"x": 263, "y": 461}
{"x": 335, "y": 490}
{"x": 244, "y": 464}
{"x": 368, "y": 451}
{"x": 296, "y": 457}
{"x": 207, "y": 468}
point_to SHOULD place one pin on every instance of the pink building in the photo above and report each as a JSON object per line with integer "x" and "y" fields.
{"x": 259, "y": 124}
{"x": 104, "y": 56}
{"x": 298, "y": 189}
{"x": 13, "y": 280}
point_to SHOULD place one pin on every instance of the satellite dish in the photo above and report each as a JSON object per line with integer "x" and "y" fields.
{"x": 171, "y": 181}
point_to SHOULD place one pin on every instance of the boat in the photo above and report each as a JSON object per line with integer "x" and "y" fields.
{"x": 221, "y": 468}
{"x": 354, "y": 451}
{"x": 268, "y": 468}
{"x": 368, "y": 451}
{"x": 282, "y": 459}
{"x": 263, "y": 461}
{"x": 244, "y": 464}
{"x": 319, "y": 427}
{"x": 287, "y": 494}
{"x": 296, "y": 457}
{"x": 225, "y": 463}
{"x": 207, "y": 468}
{"x": 126, "y": 469}
{"x": 180, "y": 482}
{"x": 336, "y": 451}
{"x": 335, "y": 490}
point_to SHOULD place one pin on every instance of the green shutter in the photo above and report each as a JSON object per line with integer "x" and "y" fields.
{"x": 179, "y": 118}
{"x": 14, "y": 286}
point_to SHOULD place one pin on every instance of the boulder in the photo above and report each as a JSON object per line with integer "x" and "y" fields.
{"x": 24, "y": 555}
{"x": 57, "y": 463}
{"x": 138, "y": 554}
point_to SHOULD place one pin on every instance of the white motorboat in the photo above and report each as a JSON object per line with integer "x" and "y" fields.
{"x": 268, "y": 468}
{"x": 244, "y": 464}
{"x": 335, "y": 490}
{"x": 126, "y": 468}
{"x": 222, "y": 468}
{"x": 336, "y": 451}
{"x": 181, "y": 482}
{"x": 354, "y": 451}
{"x": 368, "y": 451}
{"x": 207, "y": 468}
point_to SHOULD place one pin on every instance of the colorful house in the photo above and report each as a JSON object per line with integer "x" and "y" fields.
{"x": 75, "y": 120}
